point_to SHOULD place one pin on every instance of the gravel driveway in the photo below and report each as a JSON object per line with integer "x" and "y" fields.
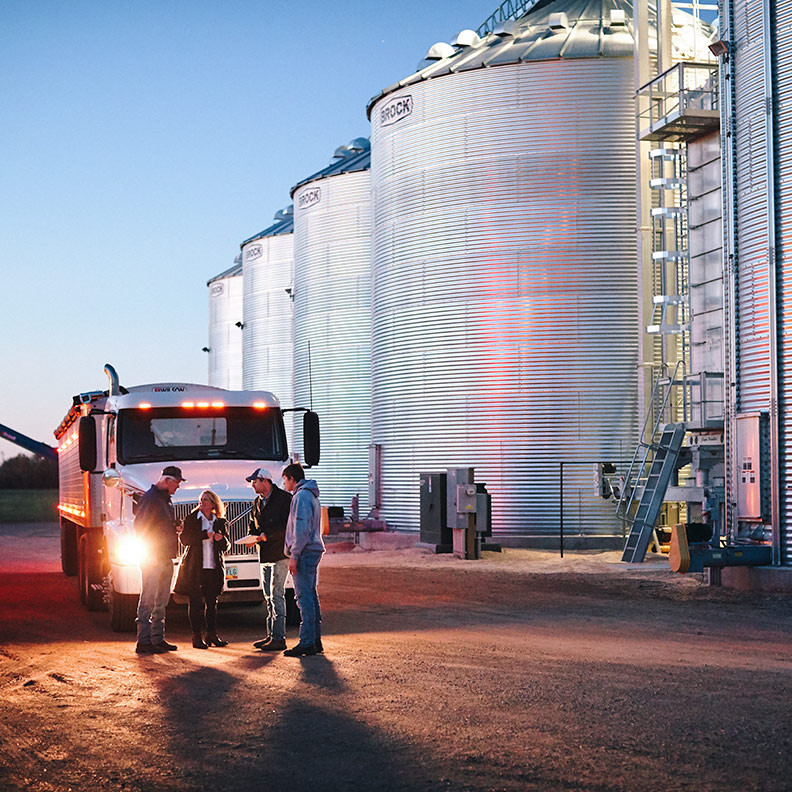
{"x": 519, "y": 672}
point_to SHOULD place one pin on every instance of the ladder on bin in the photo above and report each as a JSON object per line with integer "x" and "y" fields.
{"x": 650, "y": 472}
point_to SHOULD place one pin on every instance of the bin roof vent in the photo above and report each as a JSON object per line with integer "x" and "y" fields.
{"x": 618, "y": 18}
{"x": 439, "y": 51}
{"x": 466, "y": 38}
{"x": 558, "y": 23}
{"x": 506, "y": 29}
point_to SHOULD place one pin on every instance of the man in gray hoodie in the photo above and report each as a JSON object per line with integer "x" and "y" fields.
{"x": 305, "y": 548}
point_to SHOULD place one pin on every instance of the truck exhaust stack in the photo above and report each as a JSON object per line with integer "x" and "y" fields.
{"x": 115, "y": 387}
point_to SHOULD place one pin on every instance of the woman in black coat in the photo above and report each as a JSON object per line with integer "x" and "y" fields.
{"x": 202, "y": 572}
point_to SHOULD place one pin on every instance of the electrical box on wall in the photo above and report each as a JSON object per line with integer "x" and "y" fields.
{"x": 753, "y": 480}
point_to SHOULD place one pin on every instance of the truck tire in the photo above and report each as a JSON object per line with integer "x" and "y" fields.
{"x": 68, "y": 547}
{"x": 123, "y": 610}
{"x": 292, "y": 611}
{"x": 90, "y": 578}
{"x": 81, "y": 574}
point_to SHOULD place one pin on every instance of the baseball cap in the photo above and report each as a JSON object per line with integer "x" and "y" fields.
{"x": 258, "y": 473}
{"x": 173, "y": 472}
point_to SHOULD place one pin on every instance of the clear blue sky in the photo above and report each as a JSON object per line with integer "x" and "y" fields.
{"x": 141, "y": 142}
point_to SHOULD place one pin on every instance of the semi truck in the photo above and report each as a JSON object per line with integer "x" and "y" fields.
{"x": 112, "y": 446}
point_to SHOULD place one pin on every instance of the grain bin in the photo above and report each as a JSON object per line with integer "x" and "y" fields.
{"x": 268, "y": 267}
{"x": 332, "y": 318}
{"x": 225, "y": 338}
{"x": 267, "y": 272}
{"x": 757, "y": 111}
{"x": 505, "y": 306}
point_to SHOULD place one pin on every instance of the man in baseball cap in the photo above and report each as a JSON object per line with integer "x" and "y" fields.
{"x": 173, "y": 472}
{"x": 268, "y": 523}
{"x": 156, "y": 525}
{"x": 258, "y": 473}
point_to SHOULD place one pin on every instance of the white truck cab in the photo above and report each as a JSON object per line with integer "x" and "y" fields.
{"x": 113, "y": 446}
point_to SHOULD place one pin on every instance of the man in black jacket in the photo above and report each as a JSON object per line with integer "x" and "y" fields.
{"x": 156, "y": 526}
{"x": 268, "y": 522}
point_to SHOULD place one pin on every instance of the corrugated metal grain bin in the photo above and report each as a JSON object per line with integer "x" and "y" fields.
{"x": 757, "y": 112}
{"x": 505, "y": 306}
{"x": 267, "y": 338}
{"x": 332, "y": 318}
{"x": 225, "y": 338}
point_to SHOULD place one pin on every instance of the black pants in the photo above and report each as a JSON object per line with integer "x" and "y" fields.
{"x": 203, "y": 607}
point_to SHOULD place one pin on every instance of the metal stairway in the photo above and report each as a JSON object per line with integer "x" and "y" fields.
{"x": 652, "y": 494}
{"x": 654, "y": 463}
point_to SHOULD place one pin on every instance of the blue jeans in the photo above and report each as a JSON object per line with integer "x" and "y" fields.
{"x": 155, "y": 590}
{"x": 274, "y": 577}
{"x": 307, "y": 598}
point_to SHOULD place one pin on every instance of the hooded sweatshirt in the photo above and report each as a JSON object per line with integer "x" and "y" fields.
{"x": 304, "y": 526}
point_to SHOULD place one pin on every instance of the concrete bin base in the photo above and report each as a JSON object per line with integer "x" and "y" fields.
{"x": 380, "y": 540}
{"x": 771, "y": 579}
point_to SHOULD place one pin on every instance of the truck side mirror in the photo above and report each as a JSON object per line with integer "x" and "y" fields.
{"x": 310, "y": 438}
{"x": 87, "y": 444}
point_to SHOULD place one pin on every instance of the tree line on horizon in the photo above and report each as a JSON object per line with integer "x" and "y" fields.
{"x": 29, "y": 472}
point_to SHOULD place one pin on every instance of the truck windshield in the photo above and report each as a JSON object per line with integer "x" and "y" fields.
{"x": 169, "y": 433}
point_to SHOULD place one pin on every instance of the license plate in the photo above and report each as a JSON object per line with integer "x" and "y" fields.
{"x": 232, "y": 573}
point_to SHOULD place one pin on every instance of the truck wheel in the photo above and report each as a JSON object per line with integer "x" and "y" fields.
{"x": 123, "y": 611}
{"x": 81, "y": 563}
{"x": 292, "y": 611}
{"x": 68, "y": 547}
{"x": 89, "y": 575}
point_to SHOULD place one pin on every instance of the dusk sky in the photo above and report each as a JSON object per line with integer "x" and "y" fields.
{"x": 141, "y": 143}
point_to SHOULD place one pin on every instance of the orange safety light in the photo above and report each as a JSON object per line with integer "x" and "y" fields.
{"x": 259, "y": 405}
{"x": 218, "y": 404}
{"x": 188, "y": 405}
{"x": 144, "y": 406}
{"x": 202, "y": 404}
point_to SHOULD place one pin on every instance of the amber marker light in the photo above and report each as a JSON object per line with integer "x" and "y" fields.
{"x": 188, "y": 405}
{"x": 259, "y": 405}
{"x": 144, "y": 406}
{"x": 62, "y": 507}
{"x": 202, "y": 404}
{"x": 218, "y": 404}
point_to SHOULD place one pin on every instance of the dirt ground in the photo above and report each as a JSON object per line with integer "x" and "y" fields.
{"x": 519, "y": 672}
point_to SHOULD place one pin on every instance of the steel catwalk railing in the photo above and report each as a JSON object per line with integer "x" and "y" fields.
{"x": 684, "y": 87}
{"x": 510, "y": 9}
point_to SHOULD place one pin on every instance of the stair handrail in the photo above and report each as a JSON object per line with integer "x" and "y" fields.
{"x": 628, "y": 491}
{"x": 672, "y": 381}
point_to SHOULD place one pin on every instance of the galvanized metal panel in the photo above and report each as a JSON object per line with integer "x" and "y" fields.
{"x": 267, "y": 351}
{"x": 753, "y": 330}
{"x": 782, "y": 35}
{"x": 505, "y": 331}
{"x": 225, "y": 338}
{"x": 332, "y": 318}
{"x": 590, "y": 34}
{"x": 359, "y": 160}
{"x": 756, "y": 190}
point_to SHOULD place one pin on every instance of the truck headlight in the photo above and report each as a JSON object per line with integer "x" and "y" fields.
{"x": 130, "y": 550}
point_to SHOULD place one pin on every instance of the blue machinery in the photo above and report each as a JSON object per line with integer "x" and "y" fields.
{"x": 41, "y": 449}
{"x": 686, "y": 555}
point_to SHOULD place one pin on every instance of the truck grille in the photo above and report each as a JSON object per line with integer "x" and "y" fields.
{"x": 237, "y": 513}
